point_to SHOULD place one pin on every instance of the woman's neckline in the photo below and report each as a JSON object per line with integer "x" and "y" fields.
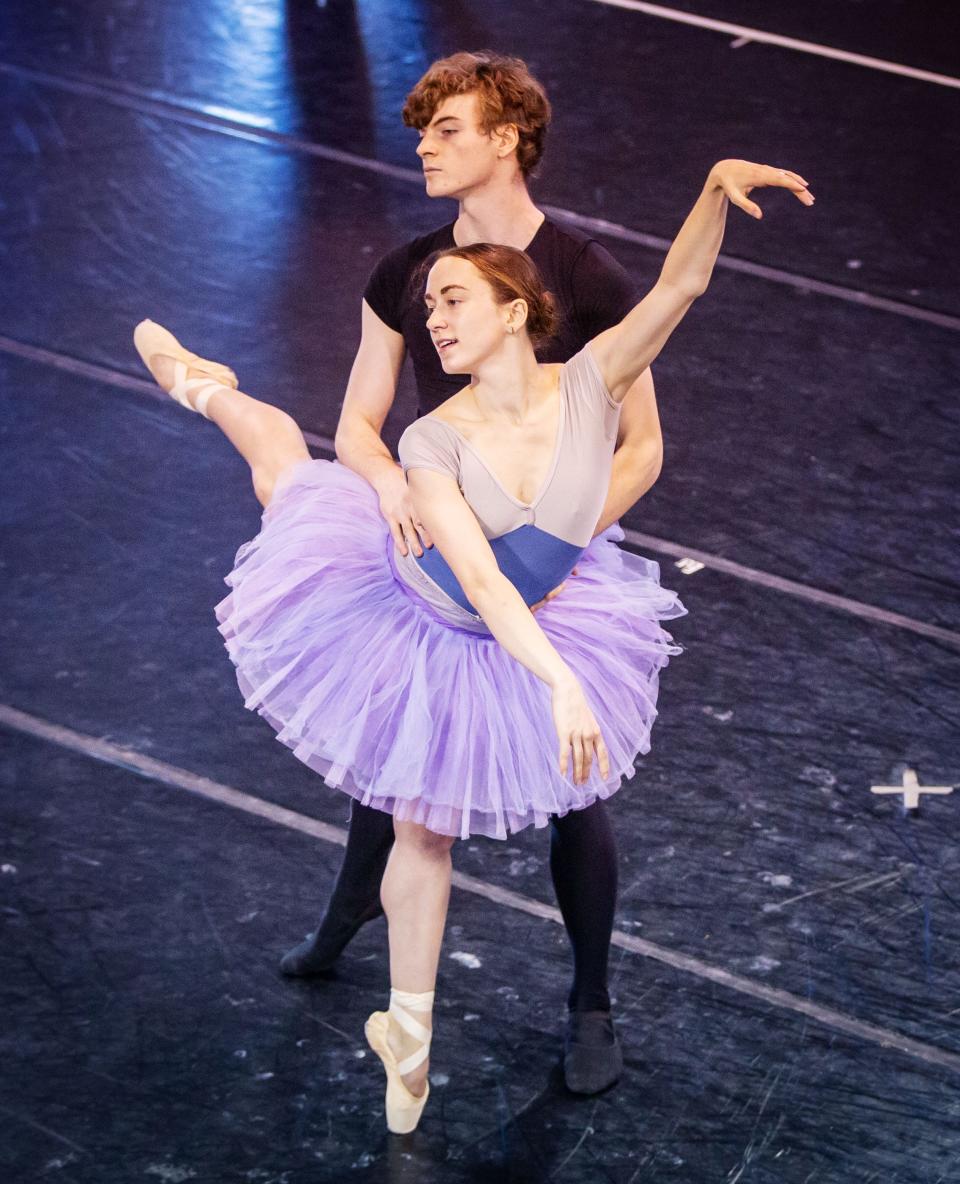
{"x": 552, "y": 468}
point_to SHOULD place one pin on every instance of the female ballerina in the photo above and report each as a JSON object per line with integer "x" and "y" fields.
{"x": 426, "y": 687}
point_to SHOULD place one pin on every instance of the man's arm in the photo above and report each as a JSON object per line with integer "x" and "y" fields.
{"x": 370, "y": 394}
{"x": 639, "y": 454}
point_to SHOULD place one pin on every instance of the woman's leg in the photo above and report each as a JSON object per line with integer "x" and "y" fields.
{"x": 415, "y": 893}
{"x": 267, "y": 438}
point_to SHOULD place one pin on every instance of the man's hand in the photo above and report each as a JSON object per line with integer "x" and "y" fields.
{"x": 550, "y": 595}
{"x": 396, "y": 506}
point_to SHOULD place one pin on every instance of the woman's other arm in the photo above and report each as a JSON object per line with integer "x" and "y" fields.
{"x": 456, "y": 533}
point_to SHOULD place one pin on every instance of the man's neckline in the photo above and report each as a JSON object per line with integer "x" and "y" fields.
{"x": 536, "y": 234}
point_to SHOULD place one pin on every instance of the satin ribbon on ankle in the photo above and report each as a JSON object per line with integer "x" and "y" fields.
{"x": 204, "y": 388}
{"x": 399, "y": 1002}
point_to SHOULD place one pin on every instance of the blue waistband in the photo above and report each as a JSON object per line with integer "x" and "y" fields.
{"x": 534, "y": 561}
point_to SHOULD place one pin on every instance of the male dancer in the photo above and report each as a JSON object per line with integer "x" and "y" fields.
{"x": 482, "y": 120}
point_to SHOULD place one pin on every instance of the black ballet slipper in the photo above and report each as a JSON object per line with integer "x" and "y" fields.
{"x": 316, "y": 956}
{"x": 592, "y": 1056}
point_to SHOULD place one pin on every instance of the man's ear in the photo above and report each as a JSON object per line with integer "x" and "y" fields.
{"x": 506, "y": 137}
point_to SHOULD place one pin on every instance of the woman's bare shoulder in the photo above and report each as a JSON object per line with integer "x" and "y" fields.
{"x": 455, "y": 411}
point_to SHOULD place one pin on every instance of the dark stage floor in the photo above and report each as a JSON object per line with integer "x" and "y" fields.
{"x": 787, "y": 953}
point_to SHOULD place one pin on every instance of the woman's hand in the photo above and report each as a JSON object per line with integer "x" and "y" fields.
{"x": 578, "y": 730}
{"x": 396, "y": 506}
{"x": 738, "y": 177}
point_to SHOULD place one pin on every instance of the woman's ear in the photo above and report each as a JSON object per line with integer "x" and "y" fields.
{"x": 516, "y": 315}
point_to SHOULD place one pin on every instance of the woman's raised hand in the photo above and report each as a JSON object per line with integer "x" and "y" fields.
{"x": 738, "y": 177}
{"x": 578, "y": 732}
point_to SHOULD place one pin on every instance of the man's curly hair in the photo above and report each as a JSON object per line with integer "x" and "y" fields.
{"x": 508, "y": 94}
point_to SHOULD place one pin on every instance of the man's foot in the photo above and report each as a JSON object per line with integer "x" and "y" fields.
{"x": 309, "y": 959}
{"x": 316, "y": 956}
{"x": 592, "y": 1056}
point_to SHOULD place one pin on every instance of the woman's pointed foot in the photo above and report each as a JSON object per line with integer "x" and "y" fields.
{"x": 184, "y": 375}
{"x": 407, "y": 1086}
{"x": 403, "y": 1107}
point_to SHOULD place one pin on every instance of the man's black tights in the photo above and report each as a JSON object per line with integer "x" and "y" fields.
{"x": 583, "y": 863}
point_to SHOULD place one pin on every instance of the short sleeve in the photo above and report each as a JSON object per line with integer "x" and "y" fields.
{"x": 603, "y": 293}
{"x": 386, "y": 288}
{"x": 429, "y": 444}
{"x": 587, "y": 385}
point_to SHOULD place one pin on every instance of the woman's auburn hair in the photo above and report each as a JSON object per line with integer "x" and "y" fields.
{"x": 507, "y": 91}
{"x": 512, "y": 275}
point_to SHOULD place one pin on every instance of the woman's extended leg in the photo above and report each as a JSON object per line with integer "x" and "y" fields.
{"x": 415, "y": 894}
{"x": 267, "y": 438}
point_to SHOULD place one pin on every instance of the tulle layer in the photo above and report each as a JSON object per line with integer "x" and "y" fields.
{"x": 412, "y": 716}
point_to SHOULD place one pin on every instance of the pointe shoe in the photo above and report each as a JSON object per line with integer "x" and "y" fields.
{"x": 151, "y": 339}
{"x": 403, "y": 1108}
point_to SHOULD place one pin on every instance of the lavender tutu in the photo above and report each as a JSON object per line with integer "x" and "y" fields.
{"x": 409, "y": 714}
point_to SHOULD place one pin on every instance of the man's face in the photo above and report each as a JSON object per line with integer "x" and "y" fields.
{"x": 458, "y": 157}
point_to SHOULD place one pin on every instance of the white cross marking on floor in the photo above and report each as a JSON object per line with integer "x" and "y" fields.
{"x": 911, "y": 789}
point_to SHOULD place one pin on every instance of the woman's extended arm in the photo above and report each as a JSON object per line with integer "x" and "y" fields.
{"x": 629, "y": 347}
{"x": 457, "y": 535}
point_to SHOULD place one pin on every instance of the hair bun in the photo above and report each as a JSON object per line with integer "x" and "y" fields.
{"x": 543, "y": 319}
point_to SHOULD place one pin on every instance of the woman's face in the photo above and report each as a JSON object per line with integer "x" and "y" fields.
{"x": 465, "y": 322}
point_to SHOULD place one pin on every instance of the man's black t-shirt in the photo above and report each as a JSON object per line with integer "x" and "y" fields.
{"x": 591, "y": 289}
